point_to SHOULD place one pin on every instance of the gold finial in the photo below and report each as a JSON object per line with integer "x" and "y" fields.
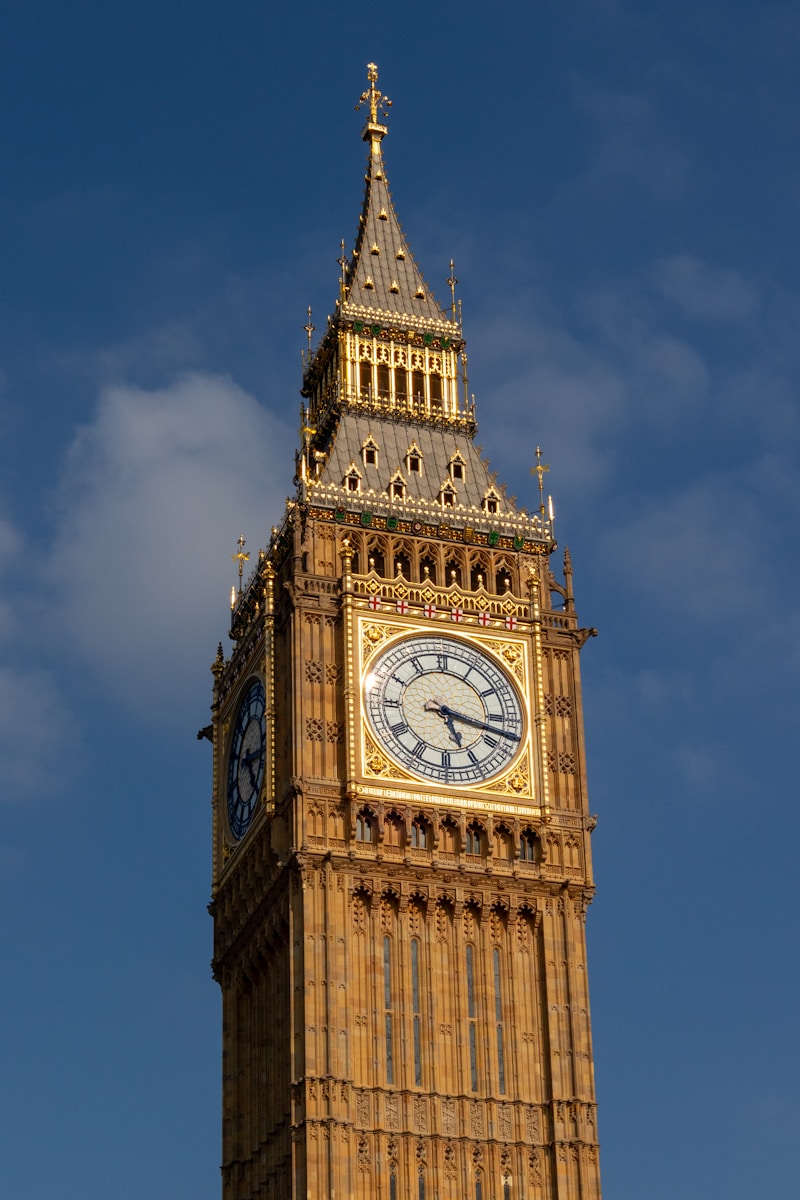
{"x": 540, "y": 469}
{"x": 241, "y": 557}
{"x": 379, "y": 106}
{"x": 451, "y": 283}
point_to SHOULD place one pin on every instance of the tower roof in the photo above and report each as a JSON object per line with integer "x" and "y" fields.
{"x": 382, "y": 275}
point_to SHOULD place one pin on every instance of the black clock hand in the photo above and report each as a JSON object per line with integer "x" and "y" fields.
{"x": 451, "y": 712}
{"x": 437, "y": 707}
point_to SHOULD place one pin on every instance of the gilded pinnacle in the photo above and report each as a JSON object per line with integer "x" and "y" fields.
{"x": 379, "y": 106}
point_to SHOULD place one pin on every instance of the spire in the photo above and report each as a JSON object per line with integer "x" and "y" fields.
{"x": 382, "y": 275}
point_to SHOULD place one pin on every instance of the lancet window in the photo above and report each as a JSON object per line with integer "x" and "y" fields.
{"x": 498, "y": 1016}
{"x": 416, "y": 1011}
{"x": 420, "y": 834}
{"x": 364, "y": 826}
{"x": 472, "y": 1014}
{"x": 527, "y": 846}
{"x": 387, "y": 1008}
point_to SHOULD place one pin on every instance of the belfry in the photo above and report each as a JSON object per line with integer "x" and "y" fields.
{"x": 401, "y": 863}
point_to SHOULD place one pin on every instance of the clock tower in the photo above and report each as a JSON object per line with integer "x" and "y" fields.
{"x": 402, "y": 865}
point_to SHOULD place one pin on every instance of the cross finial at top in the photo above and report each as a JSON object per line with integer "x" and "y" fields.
{"x": 241, "y": 557}
{"x": 451, "y": 283}
{"x": 540, "y": 469}
{"x": 309, "y": 328}
{"x": 379, "y": 104}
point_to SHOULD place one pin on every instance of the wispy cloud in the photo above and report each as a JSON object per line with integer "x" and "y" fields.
{"x": 703, "y": 291}
{"x": 39, "y": 738}
{"x": 156, "y": 490}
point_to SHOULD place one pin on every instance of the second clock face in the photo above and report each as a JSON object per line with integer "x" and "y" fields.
{"x": 444, "y": 709}
{"x": 246, "y": 761}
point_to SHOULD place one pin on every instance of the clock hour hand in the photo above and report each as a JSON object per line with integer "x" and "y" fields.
{"x": 437, "y": 706}
{"x": 247, "y": 759}
{"x": 451, "y": 712}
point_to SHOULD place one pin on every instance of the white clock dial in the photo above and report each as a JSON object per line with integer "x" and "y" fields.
{"x": 444, "y": 709}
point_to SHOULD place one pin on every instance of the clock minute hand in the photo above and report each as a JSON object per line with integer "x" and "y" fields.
{"x": 451, "y": 712}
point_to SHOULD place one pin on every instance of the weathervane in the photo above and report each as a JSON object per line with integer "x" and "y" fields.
{"x": 241, "y": 557}
{"x": 540, "y": 469}
{"x": 379, "y": 104}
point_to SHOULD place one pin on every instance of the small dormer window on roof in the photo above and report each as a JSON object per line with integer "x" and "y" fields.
{"x": 491, "y": 501}
{"x": 375, "y": 248}
{"x": 397, "y": 486}
{"x": 414, "y": 459}
{"x": 368, "y": 283}
{"x": 457, "y": 468}
{"x": 352, "y": 479}
{"x": 400, "y": 254}
{"x": 420, "y": 293}
{"x": 395, "y": 287}
{"x": 383, "y": 215}
{"x": 369, "y": 452}
{"x": 447, "y": 495}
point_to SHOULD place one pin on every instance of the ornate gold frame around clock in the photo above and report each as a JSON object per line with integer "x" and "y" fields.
{"x": 374, "y": 634}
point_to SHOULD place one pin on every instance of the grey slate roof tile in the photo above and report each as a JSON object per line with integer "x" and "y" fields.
{"x": 398, "y": 285}
{"x": 437, "y": 447}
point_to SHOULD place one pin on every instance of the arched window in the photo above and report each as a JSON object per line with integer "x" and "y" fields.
{"x": 419, "y": 833}
{"x": 449, "y": 839}
{"x": 416, "y": 1011}
{"x": 502, "y": 842}
{"x": 393, "y": 831}
{"x": 498, "y": 1017}
{"x": 472, "y": 1013}
{"x": 387, "y": 1008}
{"x": 435, "y": 384}
{"x": 427, "y": 566}
{"x": 364, "y": 826}
{"x": 527, "y": 846}
{"x": 474, "y": 839}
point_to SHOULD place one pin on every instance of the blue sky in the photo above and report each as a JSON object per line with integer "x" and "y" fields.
{"x": 618, "y": 184}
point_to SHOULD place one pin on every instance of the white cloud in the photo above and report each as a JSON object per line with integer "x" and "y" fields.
{"x": 38, "y": 736}
{"x": 156, "y": 490}
{"x": 10, "y": 543}
{"x": 701, "y": 290}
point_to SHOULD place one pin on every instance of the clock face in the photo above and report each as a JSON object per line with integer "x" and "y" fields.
{"x": 444, "y": 709}
{"x": 246, "y": 762}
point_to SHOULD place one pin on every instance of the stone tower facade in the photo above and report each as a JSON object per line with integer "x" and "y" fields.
{"x": 402, "y": 861}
